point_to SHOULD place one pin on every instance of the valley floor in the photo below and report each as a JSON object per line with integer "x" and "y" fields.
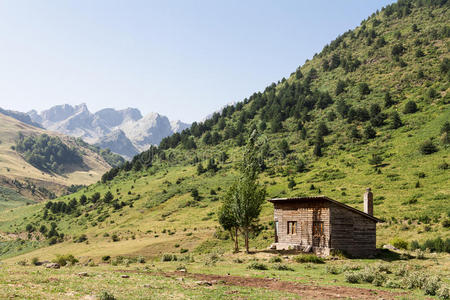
{"x": 214, "y": 276}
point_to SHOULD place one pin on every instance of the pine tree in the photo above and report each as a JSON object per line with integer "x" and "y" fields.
{"x": 396, "y": 122}
{"x": 388, "y": 102}
{"x": 369, "y": 132}
{"x": 291, "y": 183}
{"x": 200, "y": 169}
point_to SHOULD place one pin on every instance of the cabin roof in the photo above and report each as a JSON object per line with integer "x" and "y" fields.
{"x": 314, "y": 198}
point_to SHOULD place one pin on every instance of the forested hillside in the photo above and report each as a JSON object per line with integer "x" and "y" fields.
{"x": 370, "y": 110}
{"x": 36, "y": 164}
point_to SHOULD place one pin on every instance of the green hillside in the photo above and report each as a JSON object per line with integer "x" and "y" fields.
{"x": 370, "y": 110}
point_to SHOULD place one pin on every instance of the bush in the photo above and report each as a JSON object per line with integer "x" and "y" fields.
{"x": 275, "y": 259}
{"x": 168, "y": 257}
{"x": 410, "y": 107}
{"x": 352, "y": 277}
{"x": 309, "y": 258}
{"x": 106, "y": 258}
{"x": 379, "y": 279}
{"x": 443, "y": 166}
{"x": 63, "y": 260}
{"x": 106, "y": 296}
{"x": 428, "y": 147}
{"x": 414, "y": 245}
{"x": 420, "y": 254}
{"x": 443, "y": 292}
{"x": 333, "y": 270}
{"x": 282, "y": 267}
{"x": 432, "y": 285}
{"x": 80, "y": 238}
{"x": 364, "y": 88}
{"x": 53, "y": 240}
{"x": 35, "y": 261}
{"x": 22, "y": 262}
{"x": 413, "y": 280}
{"x": 257, "y": 266}
{"x": 399, "y": 243}
{"x": 436, "y": 245}
{"x": 392, "y": 284}
{"x": 115, "y": 238}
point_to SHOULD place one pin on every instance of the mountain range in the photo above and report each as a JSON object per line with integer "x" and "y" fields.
{"x": 126, "y": 132}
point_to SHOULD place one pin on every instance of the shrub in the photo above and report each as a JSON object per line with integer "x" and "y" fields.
{"x": 443, "y": 292}
{"x": 399, "y": 243}
{"x": 414, "y": 245}
{"x": 22, "y": 262}
{"x": 420, "y": 254}
{"x": 379, "y": 279}
{"x": 413, "y": 280}
{"x": 257, "y": 266}
{"x": 141, "y": 260}
{"x": 168, "y": 257}
{"x": 436, "y": 245}
{"x": 392, "y": 284}
{"x": 53, "y": 240}
{"x": 363, "y": 88}
{"x": 282, "y": 267}
{"x": 63, "y": 260}
{"x": 238, "y": 261}
{"x": 106, "y": 296}
{"x": 115, "y": 238}
{"x": 275, "y": 259}
{"x": 106, "y": 258}
{"x": 35, "y": 261}
{"x": 80, "y": 238}
{"x": 410, "y": 107}
{"x": 428, "y": 147}
{"x": 333, "y": 270}
{"x": 182, "y": 250}
{"x": 432, "y": 285}
{"x": 309, "y": 258}
{"x": 352, "y": 277}
{"x": 446, "y": 223}
{"x": 443, "y": 166}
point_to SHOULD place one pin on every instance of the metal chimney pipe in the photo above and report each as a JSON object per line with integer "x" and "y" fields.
{"x": 368, "y": 202}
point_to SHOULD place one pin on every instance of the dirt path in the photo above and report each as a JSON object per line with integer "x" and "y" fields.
{"x": 303, "y": 290}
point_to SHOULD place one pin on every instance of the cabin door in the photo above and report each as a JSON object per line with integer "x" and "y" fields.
{"x": 318, "y": 234}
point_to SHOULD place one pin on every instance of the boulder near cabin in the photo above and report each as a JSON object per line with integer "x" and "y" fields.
{"x": 322, "y": 225}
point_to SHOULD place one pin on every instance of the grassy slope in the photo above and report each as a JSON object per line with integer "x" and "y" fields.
{"x": 155, "y": 212}
{"x": 10, "y": 199}
{"x": 14, "y": 167}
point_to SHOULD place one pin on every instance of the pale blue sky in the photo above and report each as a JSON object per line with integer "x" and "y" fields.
{"x": 184, "y": 59}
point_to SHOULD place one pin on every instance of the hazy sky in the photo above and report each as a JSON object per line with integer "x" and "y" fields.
{"x": 184, "y": 59}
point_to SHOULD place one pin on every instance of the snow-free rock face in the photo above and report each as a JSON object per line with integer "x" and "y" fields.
{"x": 125, "y": 132}
{"x": 118, "y": 142}
{"x": 22, "y": 117}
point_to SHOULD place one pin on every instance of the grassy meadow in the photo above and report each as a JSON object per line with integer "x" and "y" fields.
{"x": 149, "y": 211}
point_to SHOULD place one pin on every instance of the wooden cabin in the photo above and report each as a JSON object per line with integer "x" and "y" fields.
{"x": 321, "y": 225}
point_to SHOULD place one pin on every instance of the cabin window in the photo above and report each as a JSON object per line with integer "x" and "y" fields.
{"x": 292, "y": 227}
{"x": 317, "y": 228}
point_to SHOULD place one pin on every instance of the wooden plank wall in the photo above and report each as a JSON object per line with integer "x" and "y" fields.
{"x": 352, "y": 232}
{"x": 304, "y": 213}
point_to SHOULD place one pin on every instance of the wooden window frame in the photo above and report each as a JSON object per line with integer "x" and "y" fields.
{"x": 291, "y": 227}
{"x": 318, "y": 228}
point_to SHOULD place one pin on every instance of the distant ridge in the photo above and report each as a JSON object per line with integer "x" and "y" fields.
{"x": 126, "y": 132}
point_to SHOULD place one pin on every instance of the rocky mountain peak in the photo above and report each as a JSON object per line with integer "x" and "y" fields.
{"x": 125, "y": 131}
